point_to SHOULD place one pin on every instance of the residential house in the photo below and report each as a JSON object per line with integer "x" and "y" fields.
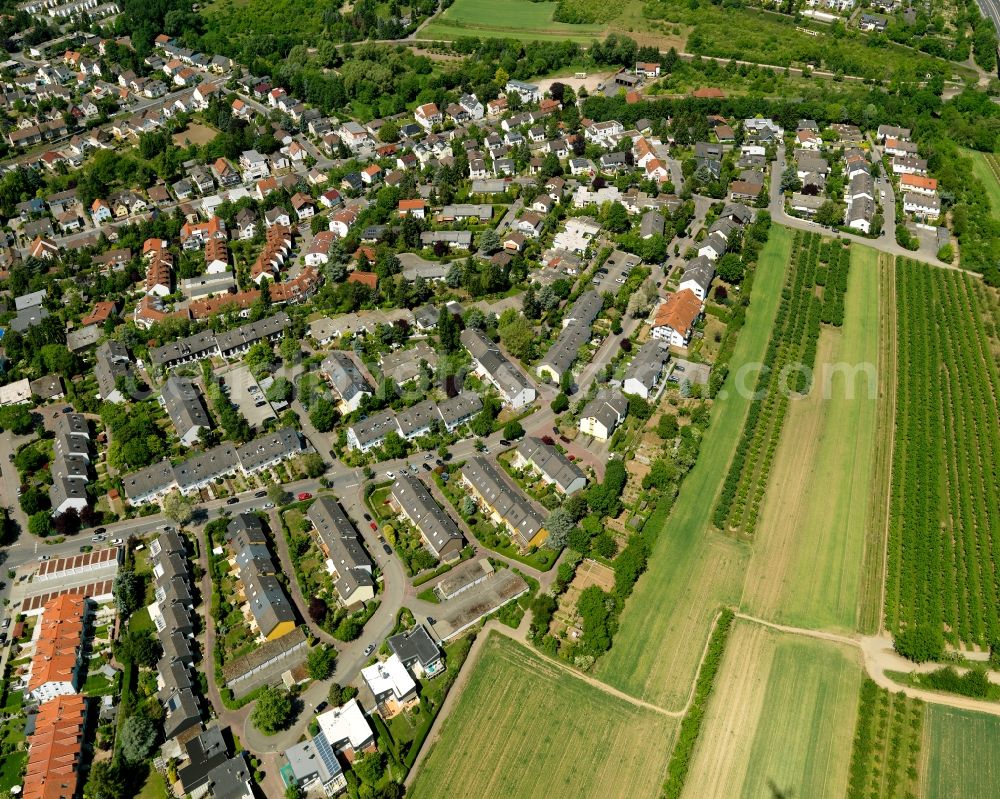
{"x": 602, "y": 415}
{"x": 675, "y": 319}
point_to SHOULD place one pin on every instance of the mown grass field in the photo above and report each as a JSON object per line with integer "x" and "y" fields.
{"x": 986, "y": 167}
{"x": 781, "y": 719}
{"x": 961, "y": 754}
{"x": 806, "y": 565}
{"x": 524, "y": 728}
{"x": 691, "y": 570}
{"x": 508, "y": 19}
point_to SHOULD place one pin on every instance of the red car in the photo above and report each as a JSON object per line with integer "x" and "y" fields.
{"x": 373, "y": 526}
{"x": 304, "y": 495}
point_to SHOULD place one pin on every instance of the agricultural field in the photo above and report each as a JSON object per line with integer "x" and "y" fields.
{"x": 961, "y": 754}
{"x": 523, "y": 727}
{"x": 808, "y": 551}
{"x": 510, "y": 19}
{"x": 887, "y": 742}
{"x": 780, "y": 721}
{"x": 787, "y": 371}
{"x": 693, "y": 570}
{"x": 944, "y": 525}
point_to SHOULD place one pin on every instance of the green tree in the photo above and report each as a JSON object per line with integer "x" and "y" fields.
{"x": 280, "y": 390}
{"x": 448, "y": 331}
{"x": 40, "y": 524}
{"x": 323, "y": 415}
{"x": 273, "y": 711}
{"x": 125, "y": 590}
{"x": 920, "y": 643}
{"x": 105, "y": 781}
{"x": 560, "y": 524}
{"x": 341, "y": 694}
{"x": 320, "y": 662}
{"x": 277, "y": 494}
{"x": 369, "y": 768}
{"x": 313, "y": 464}
{"x": 666, "y": 427}
{"x": 560, "y": 403}
{"x": 177, "y": 507}
{"x": 730, "y": 268}
{"x": 513, "y": 430}
{"x": 138, "y": 735}
{"x": 394, "y": 446}
{"x": 489, "y": 242}
{"x": 138, "y": 646}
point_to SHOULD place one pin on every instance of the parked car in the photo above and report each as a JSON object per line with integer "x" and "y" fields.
{"x": 304, "y": 495}
{"x": 369, "y": 649}
{"x": 428, "y": 456}
{"x": 564, "y": 439}
{"x": 389, "y": 475}
{"x": 387, "y": 549}
{"x": 232, "y": 500}
{"x": 42, "y": 558}
{"x": 167, "y": 528}
{"x": 100, "y": 531}
{"x": 260, "y": 494}
{"x": 368, "y": 517}
{"x": 373, "y": 525}
{"x": 68, "y": 409}
{"x": 97, "y": 538}
{"x": 413, "y": 468}
{"x": 268, "y": 505}
{"x": 504, "y": 442}
{"x": 117, "y": 541}
{"x": 321, "y": 707}
{"x": 426, "y": 468}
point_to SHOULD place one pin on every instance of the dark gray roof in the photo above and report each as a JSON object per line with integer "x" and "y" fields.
{"x": 199, "y": 345}
{"x": 701, "y": 270}
{"x": 415, "y": 646}
{"x": 576, "y": 332}
{"x": 252, "y": 332}
{"x": 648, "y": 363}
{"x": 206, "y": 751}
{"x": 341, "y": 541}
{"x": 503, "y": 498}
{"x": 438, "y": 529}
{"x": 266, "y": 598}
{"x": 269, "y": 448}
{"x": 508, "y": 377}
{"x": 229, "y": 779}
{"x": 550, "y": 462}
{"x": 345, "y": 376}
{"x": 459, "y": 408}
{"x": 607, "y": 407}
{"x": 184, "y": 406}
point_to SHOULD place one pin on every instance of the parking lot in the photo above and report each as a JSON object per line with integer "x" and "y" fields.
{"x": 244, "y": 392}
{"x": 612, "y": 274}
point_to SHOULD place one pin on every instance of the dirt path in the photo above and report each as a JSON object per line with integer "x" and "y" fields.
{"x": 879, "y": 657}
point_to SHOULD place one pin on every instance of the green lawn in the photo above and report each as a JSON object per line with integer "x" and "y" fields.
{"x": 155, "y": 787}
{"x": 692, "y": 570}
{"x": 98, "y": 685}
{"x": 781, "y": 719}
{"x": 11, "y": 769}
{"x": 808, "y": 552}
{"x": 961, "y": 754}
{"x": 140, "y": 621}
{"x": 524, "y": 728}
{"x": 511, "y": 19}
